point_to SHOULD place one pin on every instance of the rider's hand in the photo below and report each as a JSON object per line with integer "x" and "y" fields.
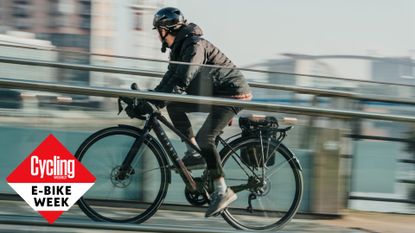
{"x": 138, "y": 107}
{"x": 158, "y": 103}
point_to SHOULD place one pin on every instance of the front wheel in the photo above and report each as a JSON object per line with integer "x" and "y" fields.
{"x": 133, "y": 197}
{"x": 268, "y": 181}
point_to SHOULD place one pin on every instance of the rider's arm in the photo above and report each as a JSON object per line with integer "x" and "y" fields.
{"x": 178, "y": 77}
{"x": 184, "y": 74}
{"x": 167, "y": 82}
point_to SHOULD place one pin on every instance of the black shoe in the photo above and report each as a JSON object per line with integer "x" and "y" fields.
{"x": 194, "y": 161}
{"x": 220, "y": 201}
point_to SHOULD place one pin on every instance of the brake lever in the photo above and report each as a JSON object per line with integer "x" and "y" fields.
{"x": 125, "y": 100}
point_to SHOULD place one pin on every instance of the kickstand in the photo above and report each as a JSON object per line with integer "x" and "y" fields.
{"x": 250, "y": 198}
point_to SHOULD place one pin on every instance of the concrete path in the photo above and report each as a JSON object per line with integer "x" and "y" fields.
{"x": 16, "y": 216}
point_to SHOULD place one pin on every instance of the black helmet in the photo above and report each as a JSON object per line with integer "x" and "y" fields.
{"x": 169, "y": 18}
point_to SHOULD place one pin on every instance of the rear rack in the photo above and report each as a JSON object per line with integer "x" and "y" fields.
{"x": 280, "y": 121}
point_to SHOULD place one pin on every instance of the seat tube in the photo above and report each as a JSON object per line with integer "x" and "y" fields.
{"x": 172, "y": 153}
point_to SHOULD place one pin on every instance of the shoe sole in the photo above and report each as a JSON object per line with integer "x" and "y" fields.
{"x": 226, "y": 204}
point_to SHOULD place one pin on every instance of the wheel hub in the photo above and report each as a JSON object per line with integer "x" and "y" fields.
{"x": 265, "y": 189}
{"x": 118, "y": 180}
{"x": 259, "y": 187}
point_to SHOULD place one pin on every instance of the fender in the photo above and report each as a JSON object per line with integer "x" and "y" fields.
{"x": 295, "y": 159}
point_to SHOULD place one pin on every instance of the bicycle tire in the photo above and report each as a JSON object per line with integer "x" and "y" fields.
{"x": 244, "y": 219}
{"x": 106, "y": 194}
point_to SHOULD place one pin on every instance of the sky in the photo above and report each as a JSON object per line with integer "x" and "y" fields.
{"x": 253, "y": 31}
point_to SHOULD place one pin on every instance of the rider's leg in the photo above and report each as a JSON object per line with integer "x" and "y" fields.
{"x": 214, "y": 124}
{"x": 178, "y": 116}
{"x": 216, "y": 121}
{"x": 177, "y": 112}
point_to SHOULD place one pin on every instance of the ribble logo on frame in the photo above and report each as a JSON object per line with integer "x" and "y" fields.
{"x": 51, "y": 179}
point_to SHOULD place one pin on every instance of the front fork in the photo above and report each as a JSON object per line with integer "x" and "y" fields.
{"x": 125, "y": 170}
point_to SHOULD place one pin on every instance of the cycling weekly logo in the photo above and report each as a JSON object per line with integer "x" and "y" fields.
{"x": 51, "y": 179}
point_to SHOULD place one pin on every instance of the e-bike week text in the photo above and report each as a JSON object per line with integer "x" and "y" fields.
{"x": 56, "y": 167}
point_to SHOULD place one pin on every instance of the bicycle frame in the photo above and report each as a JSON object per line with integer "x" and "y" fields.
{"x": 153, "y": 124}
{"x": 255, "y": 184}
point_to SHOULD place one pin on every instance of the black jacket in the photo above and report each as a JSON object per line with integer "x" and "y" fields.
{"x": 190, "y": 47}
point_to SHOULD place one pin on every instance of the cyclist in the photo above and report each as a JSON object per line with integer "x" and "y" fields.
{"x": 187, "y": 45}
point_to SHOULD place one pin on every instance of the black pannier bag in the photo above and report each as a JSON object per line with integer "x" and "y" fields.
{"x": 252, "y": 155}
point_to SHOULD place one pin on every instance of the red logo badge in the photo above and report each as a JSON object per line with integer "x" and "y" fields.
{"x": 51, "y": 179}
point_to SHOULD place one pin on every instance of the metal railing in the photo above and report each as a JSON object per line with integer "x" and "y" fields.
{"x": 117, "y": 70}
{"x": 267, "y": 107}
{"x": 398, "y": 180}
{"x": 252, "y": 105}
{"x": 215, "y": 66}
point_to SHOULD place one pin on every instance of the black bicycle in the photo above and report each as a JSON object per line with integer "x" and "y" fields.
{"x": 133, "y": 171}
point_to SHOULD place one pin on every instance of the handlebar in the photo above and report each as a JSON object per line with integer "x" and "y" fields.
{"x": 137, "y": 108}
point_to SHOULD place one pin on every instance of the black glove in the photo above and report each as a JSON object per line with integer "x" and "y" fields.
{"x": 137, "y": 108}
{"x": 158, "y": 103}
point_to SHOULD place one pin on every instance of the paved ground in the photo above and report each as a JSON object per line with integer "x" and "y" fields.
{"x": 374, "y": 222}
{"x": 16, "y": 216}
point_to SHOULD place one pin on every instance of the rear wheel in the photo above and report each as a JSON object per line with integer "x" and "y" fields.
{"x": 136, "y": 196}
{"x": 268, "y": 196}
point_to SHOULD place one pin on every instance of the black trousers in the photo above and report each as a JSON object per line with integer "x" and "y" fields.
{"x": 217, "y": 119}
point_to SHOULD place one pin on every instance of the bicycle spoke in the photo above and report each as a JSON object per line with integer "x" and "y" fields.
{"x": 238, "y": 160}
{"x": 150, "y": 170}
{"x": 278, "y": 167}
{"x": 230, "y": 179}
{"x": 131, "y": 196}
{"x": 262, "y": 206}
{"x": 239, "y": 164}
{"x": 277, "y": 197}
{"x": 268, "y": 155}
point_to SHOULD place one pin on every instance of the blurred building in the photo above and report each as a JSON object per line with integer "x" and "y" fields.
{"x": 395, "y": 70}
{"x": 124, "y": 28}
{"x": 66, "y": 23}
{"x": 285, "y": 67}
{"x": 17, "y": 44}
{"x": 355, "y": 67}
{"x": 109, "y": 27}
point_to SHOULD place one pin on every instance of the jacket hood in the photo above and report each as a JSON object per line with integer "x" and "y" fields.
{"x": 188, "y": 30}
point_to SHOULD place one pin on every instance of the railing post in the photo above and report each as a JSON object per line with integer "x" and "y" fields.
{"x": 327, "y": 196}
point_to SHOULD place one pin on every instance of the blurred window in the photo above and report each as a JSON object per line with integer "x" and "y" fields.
{"x": 66, "y": 6}
{"x": 54, "y": 7}
{"x": 23, "y": 23}
{"x": 85, "y": 22}
{"x": 85, "y": 8}
{"x": 138, "y": 20}
{"x": 21, "y": 10}
{"x": 57, "y": 21}
{"x": 21, "y": 2}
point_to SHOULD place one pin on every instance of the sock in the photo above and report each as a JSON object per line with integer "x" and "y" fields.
{"x": 189, "y": 148}
{"x": 220, "y": 185}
